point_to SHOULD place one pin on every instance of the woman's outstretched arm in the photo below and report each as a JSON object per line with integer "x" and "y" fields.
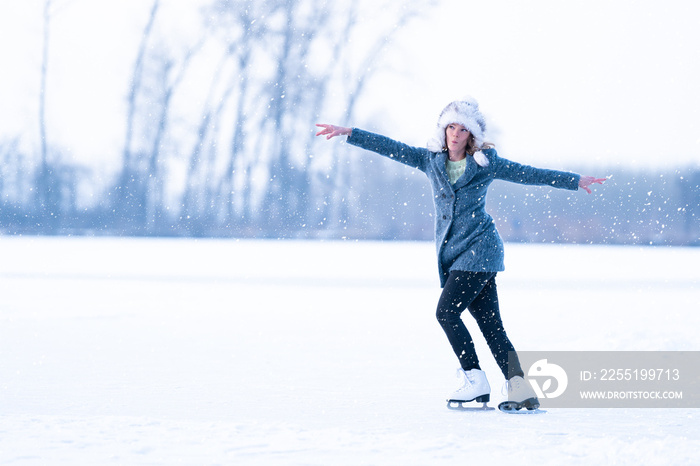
{"x": 331, "y": 131}
{"x": 395, "y": 150}
{"x": 586, "y": 181}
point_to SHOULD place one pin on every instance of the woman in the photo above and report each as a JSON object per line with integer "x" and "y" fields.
{"x": 460, "y": 167}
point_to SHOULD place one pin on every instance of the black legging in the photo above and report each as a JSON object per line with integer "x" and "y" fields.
{"x": 475, "y": 291}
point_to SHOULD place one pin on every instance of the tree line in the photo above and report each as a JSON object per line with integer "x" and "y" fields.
{"x": 245, "y": 162}
{"x": 229, "y": 154}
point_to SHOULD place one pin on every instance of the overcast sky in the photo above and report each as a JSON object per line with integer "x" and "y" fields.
{"x": 596, "y": 83}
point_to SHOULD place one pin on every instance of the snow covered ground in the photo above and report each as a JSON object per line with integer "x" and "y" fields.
{"x": 143, "y": 351}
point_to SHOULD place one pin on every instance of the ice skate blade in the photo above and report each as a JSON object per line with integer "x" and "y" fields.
{"x": 526, "y": 407}
{"x": 458, "y": 405}
{"x": 526, "y": 411}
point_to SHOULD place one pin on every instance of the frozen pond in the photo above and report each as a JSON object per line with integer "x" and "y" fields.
{"x": 169, "y": 351}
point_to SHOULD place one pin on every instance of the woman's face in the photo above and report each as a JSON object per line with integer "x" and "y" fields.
{"x": 456, "y": 138}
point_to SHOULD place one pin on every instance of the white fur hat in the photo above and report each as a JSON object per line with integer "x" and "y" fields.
{"x": 464, "y": 112}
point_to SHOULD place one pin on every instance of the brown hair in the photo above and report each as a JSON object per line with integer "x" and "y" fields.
{"x": 471, "y": 145}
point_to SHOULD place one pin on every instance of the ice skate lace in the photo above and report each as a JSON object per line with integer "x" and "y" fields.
{"x": 508, "y": 387}
{"x": 464, "y": 379}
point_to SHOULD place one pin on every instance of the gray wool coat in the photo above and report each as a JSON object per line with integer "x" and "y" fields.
{"x": 465, "y": 235}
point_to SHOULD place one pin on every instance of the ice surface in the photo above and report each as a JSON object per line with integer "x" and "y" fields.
{"x": 144, "y": 351}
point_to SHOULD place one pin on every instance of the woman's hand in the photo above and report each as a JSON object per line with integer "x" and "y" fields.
{"x": 332, "y": 131}
{"x": 586, "y": 181}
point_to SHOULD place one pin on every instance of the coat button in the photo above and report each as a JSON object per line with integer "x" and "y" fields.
{"x": 444, "y": 217}
{"x": 444, "y": 195}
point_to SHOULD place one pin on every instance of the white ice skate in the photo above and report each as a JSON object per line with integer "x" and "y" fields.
{"x": 520, "y": 395}
{"x": 475, "y": 387}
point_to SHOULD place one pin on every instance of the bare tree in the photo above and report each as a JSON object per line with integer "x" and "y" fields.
{"x": 49, "y": 179}
{"x": 44, "y": 188}
{"x": 241, "y": 27}
{"x": 197, "y": 199}
{"x": 129, "y": 191}
{"x": 167, "y": 74}
{"x": 289, "y": 35}
{"x": 251, "y": 33}
{"x": 339, "y": 190}
{"x": 292, "y": 96}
